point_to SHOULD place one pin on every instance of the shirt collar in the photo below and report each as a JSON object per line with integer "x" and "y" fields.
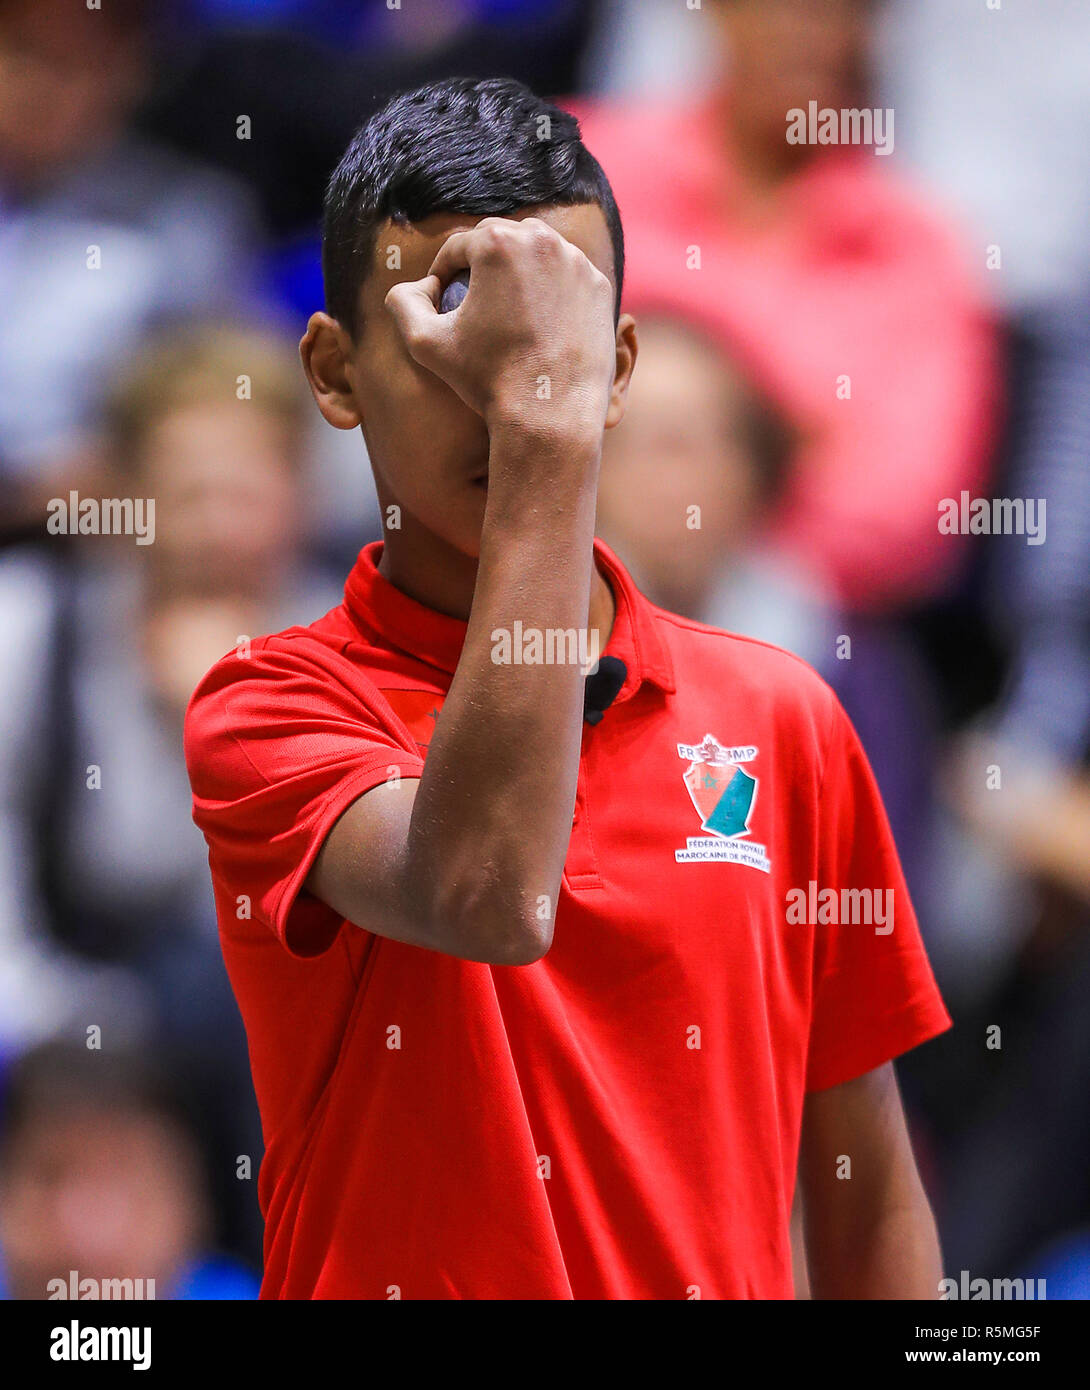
{"x": 398, "y": 621}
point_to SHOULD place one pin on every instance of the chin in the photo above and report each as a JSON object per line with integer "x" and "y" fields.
{"x": 461, "y": 531}
{"x": 469, "y": 545}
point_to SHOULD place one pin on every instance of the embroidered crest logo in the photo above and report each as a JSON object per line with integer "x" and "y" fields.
{"x": 723, "y": 793}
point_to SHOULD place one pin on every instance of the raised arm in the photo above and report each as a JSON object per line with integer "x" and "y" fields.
{"x": 468, "y": 859}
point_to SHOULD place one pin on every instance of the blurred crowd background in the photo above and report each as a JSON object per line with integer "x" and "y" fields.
{"x": 833, "y": 342}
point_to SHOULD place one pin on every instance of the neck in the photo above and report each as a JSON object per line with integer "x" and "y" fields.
{"x": 764, "y": 163}
{"x": 756, "y": 146}
{"x": 444, "y": 579}
{"x": 428, "y": 569}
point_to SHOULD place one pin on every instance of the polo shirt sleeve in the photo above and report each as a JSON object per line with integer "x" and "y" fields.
{"x": 874, "y": 995}
{"x": 278, "y": 744}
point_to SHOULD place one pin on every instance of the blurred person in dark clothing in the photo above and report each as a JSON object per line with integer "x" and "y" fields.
{"x": 102, "y": 232}
{"x": 113, "y": 644}
{"x": 1021, "y": 783}
{"x": 146, "y": 621}
{"x": 103, "y": 1190}
{"x": 1039, "y": 599}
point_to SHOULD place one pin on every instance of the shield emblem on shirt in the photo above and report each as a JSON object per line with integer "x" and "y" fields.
{"x": 720, "y": 789}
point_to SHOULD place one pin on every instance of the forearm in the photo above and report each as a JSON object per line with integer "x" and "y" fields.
{"x": 867, "y": 1223}
{"x": 468, "y": 858}
{"x": 890, "y": 1252}
{"x": 492, "y": 816}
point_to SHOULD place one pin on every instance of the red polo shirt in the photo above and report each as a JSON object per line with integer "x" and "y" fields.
{"x": 620, "y": 1119}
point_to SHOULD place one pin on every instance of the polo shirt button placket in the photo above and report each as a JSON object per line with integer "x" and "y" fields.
{"x": 581, "y": 868}
{"x": 579, "y": 786}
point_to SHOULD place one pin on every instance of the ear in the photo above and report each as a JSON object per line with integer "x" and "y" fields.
{"x": 627, "y": 349}
{"x": 326, "y": 351}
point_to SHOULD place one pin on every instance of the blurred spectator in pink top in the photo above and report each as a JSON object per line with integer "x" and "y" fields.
{"x": 849, "y": 295}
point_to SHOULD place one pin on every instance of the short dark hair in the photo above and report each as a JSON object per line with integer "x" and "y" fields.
{"x": 62, "y": 1076}
{"x": 460, "y": 145}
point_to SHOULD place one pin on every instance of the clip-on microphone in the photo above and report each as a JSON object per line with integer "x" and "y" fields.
{"x": 603, "y": 687}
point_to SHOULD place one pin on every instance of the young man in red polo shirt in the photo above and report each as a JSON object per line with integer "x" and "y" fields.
{"x": 542, "y": 1005}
